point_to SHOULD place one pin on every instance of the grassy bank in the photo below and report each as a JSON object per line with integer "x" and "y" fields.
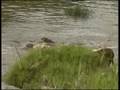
{"x": 62, "y": 67}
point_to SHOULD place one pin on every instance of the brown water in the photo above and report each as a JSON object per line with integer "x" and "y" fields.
{"x": 24, "y": 21}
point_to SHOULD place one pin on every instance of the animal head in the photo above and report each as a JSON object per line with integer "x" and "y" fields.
{"x": 47, "y": 40}
{"x": 106, "y": 55}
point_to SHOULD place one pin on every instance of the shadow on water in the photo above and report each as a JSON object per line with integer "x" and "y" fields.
{"x": 77, "y": 12}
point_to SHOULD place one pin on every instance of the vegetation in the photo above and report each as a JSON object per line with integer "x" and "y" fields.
{"x": 62, "y": 67}
{"x": 77, "y": 11}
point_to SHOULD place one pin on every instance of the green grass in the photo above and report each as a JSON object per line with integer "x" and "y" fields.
{"x": 62, "y": 67}
{"x": 77, "y": 11}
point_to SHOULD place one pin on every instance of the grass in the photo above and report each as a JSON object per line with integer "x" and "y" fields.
{"x": 62, "y": 67}
{"x": 77, "y": 11}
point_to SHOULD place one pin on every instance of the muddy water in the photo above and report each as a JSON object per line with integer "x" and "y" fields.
{"x": 24, "y": 21}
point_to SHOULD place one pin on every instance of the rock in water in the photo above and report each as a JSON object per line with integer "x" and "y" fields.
{"x": 107, "y": 54}
{"x": 46, "y": 40}
{"x": 29, "y": 45}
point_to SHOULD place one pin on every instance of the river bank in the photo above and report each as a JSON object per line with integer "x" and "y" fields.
{"x": 63, "y": 66}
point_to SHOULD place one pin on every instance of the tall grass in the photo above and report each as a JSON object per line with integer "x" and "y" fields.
{"x": 62, "y": 67}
